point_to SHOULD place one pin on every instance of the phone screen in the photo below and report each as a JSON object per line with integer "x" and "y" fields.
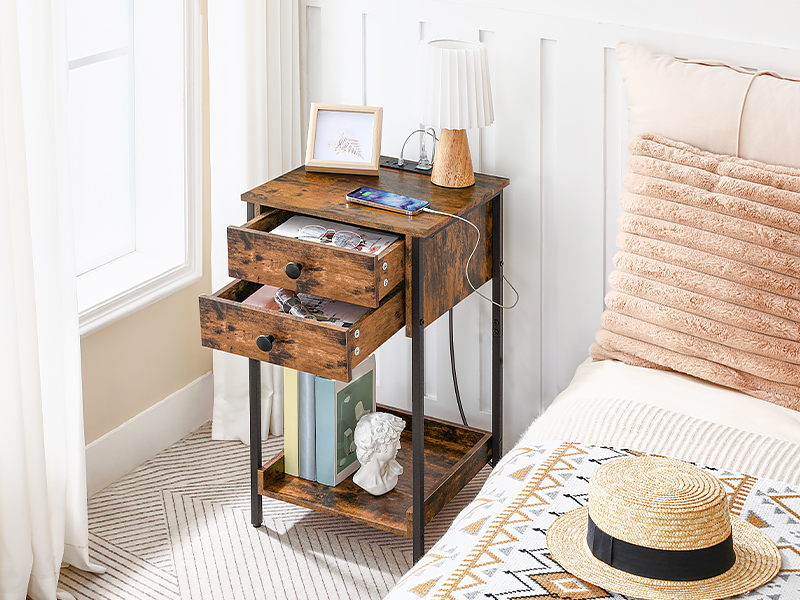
{"x": 387, "y": 200}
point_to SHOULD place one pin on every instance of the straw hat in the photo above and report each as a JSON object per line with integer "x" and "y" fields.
{"x": 643, "y": 512}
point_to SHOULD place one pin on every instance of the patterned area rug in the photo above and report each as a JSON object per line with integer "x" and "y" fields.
{"x": 178, "y": 528}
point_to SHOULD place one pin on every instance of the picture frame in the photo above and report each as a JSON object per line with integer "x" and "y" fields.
{"x": 344, "y": 139}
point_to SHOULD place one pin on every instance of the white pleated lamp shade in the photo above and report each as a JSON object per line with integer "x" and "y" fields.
{"x": 455, "y": 93}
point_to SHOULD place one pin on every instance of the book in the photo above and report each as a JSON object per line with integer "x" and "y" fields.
{"x": 374, "y": 241}
{"x": 306, "y": 417}
{"x": 264, "y": 297}
{"x": 290, "y": 423}
{"x": 339, "y": 406}
{"x": 336, "y": 312}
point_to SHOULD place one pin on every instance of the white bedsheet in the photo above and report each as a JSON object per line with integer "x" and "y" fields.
{"x": 665, "y": 413}
{"x": 680, "y": 393}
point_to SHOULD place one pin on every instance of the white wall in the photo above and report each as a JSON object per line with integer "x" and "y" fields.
{"x": 559, "y": 135}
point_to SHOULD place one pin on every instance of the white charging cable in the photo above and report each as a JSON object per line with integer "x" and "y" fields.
{"x": 424, "y": 164}
{"x": 466, "y": 266}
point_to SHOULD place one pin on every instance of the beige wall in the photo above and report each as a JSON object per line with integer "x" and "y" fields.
{"x": 138, "y": 361}
{"x": 134, "y": 363}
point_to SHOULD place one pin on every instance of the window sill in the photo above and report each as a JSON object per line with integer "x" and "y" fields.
{"x": 130, "y": 283}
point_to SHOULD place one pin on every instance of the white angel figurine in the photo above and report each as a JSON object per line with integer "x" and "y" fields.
{"x": 377, "y": 439}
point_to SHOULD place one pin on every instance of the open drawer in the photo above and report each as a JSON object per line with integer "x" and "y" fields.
{"x": 360, "y": 278}
{"x": 303, "y": 344}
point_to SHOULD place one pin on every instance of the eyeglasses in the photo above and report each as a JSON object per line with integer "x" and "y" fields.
{"x": 341, "y": 239}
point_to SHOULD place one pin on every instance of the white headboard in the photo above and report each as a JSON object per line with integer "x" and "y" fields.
{"x": 559, "y": 135}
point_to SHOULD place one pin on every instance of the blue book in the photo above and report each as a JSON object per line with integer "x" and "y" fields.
{"x": 339, "y": 406}
{"x": 306, "y": 425}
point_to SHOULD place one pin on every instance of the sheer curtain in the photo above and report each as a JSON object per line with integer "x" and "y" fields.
{"x": 255, "y": 134}
{"x": 43, "y": 518}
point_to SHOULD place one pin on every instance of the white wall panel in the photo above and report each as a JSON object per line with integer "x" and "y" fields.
{"x": 559, "y": 135}
{"x": 615, "y": 155}
{"x": 549, "y": 216}
{"x": 579, "y": 147}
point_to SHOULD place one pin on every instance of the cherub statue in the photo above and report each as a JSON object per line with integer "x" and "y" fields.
{"x": 377, "y": 439}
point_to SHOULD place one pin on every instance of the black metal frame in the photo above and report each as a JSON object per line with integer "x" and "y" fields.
{"x": 254, "y": 373}
{"x": 417, "y": 379}
{"x": 497, "y": 328}
{"x": 417, "y": 397}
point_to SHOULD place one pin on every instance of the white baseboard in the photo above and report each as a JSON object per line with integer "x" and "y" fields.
{"x": 123, "y": 449}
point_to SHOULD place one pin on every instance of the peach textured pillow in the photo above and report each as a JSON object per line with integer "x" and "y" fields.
{"x": 700, "y": 104}
{"x": 707, "y": 278}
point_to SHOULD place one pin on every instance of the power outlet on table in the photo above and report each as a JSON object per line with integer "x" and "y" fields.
{"x": 408, "y": 165}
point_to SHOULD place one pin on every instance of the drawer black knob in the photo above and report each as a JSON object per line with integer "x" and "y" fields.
{"x": 264, "y": 342}
{"x": 293, "y": 270}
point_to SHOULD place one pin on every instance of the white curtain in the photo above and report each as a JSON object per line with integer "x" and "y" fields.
{"x": 255, "y": 136}
{"x": 43, "y": 517}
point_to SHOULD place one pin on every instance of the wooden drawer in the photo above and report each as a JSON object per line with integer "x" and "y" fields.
{"x": 303, "y": 344}
{"x": 349, "y": 275}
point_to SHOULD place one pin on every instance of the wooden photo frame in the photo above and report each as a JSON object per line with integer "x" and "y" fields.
{"x": 344, "y": 139}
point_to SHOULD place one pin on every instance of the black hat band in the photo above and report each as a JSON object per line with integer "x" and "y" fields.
{"x": 654, "y": 563}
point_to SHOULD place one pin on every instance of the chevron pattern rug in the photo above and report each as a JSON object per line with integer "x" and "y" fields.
{"x": 178, "y": 528}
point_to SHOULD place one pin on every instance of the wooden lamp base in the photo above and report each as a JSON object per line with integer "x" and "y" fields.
{"x": 452, "y": 165}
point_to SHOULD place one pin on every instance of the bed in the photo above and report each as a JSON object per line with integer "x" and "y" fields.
{"x": 698, "y": 352}
{"x": 496, "y": 546}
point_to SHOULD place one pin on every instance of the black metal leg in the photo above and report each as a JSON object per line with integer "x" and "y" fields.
{"x": 497, "y": 328}
{"x": 418, "y": 398}
{"x": 255, "y": 440}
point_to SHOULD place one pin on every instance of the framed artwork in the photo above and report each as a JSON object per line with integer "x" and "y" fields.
{"x": 344, "y": 139}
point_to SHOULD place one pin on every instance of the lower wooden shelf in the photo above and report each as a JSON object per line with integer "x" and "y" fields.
{"x": 453, "y": 455}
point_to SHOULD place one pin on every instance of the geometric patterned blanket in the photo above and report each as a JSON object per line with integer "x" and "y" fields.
{"x": 496, "y": 547}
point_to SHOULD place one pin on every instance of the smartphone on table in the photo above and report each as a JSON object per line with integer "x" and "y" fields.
{"x": 387, "y": 200}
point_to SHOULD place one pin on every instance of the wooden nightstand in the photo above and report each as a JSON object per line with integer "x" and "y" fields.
{"x": 410, "y": 284}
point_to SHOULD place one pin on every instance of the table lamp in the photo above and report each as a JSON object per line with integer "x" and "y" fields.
{"x": 455, "y": 96}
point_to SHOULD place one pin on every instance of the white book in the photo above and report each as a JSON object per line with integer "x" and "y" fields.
{"x": 331, "y": 311}
{"x": 374, "y": 241}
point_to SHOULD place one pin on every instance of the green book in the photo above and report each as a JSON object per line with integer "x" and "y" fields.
{"x": 290, "y": 423}
{"x": 339, "y": 406}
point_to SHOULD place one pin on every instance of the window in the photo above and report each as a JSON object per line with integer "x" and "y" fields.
{"x": 134, "y": 135}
